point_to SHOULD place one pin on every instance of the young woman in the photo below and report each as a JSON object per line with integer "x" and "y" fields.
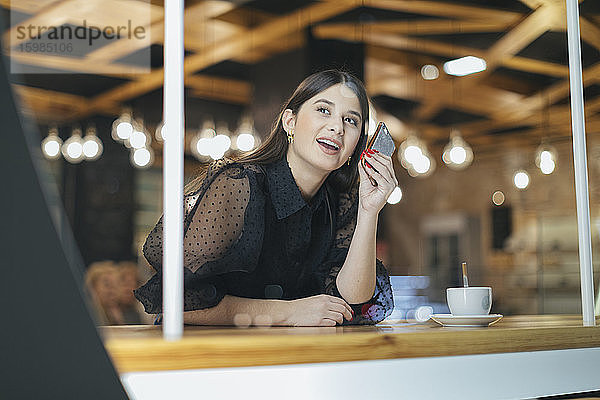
{"x": 286, "y": 234}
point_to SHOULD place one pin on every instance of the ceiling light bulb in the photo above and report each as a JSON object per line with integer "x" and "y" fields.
{"x": 124, "y": 130}
{"x": 546, "y": 158}
{"x": 547, "y": 166}
{"x": 161, "y": 132}
{"x": 138, "y": 139}
{"x": 465, "y": 66}
{"x": 72, "y": 150}
{"x": 51, "y": 144}
{"x": 458, "y": 155}
{"x": 51, "y": 148}
{"x": 498, "y": 198}
{"x": 521, "y": 179}
{"x": 142, "y": 158}
{"x": 430, "y": 72}
{"x": 92, "y": 145}
{"x": 413, "y": 154}
{"x": 245, "y": 142}
{"x": 122, "y": 127}
{"x": 422, "y": 165}
{"x": 222, "y": 142}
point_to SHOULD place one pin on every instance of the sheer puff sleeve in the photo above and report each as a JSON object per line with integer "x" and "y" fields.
{"x": 223, "y": 232}
{"x": 382, "y": 303}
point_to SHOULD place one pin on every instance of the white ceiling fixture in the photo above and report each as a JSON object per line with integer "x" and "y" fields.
{"x": 465, "y": 66}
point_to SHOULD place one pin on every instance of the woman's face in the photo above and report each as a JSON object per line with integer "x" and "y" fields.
{"x": 326, "y": 128}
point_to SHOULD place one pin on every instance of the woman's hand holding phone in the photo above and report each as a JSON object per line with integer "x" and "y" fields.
{"x": 377, "y": 176}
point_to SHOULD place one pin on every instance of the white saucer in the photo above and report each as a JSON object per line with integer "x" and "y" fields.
{"x": 466, "y": 320}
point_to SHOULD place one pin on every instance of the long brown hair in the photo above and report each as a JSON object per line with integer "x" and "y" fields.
{"x": 275, "y": 147}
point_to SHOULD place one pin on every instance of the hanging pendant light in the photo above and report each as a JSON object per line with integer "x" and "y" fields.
{"x": 415, "y": 158}
{"x": 138, "y": 138}
{"x": 51, "y": 144}
{"x": 245, "y": 138}
{"x": 201, "y": 144}
{"x": 160, "y": 133}
{"x": 546, "y": 158}
{"x": 221, "y": 142}
{"x": 122, "y": 127}
{"x": 142, "y": 158}
{"x": 457, "y": 154}
{"x": 92, "y": 145}
{"x": 72, "y": 149}
{"x": 521, "y": 179}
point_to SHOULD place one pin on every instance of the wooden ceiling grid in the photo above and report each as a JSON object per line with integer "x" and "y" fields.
{"x": 217, "y": 31}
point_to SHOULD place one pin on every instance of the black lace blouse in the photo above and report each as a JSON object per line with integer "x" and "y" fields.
{"x": 250, "y": 233}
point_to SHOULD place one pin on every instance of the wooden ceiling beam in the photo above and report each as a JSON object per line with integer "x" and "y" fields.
{"x": 444, "y": 9}
{"x": 589, "y": 32}
{"x": 288, "y": 43}
{"x": 246, "y": 17}
{"x": 27, "y": 6}
{"x": 382, "y": 41}
{"x": 511, "y": 43}
{"x": 424, "y": 27}
{"x": 77, "y": 65}
{"x": 536, "y": 66}
{"x": 222, "y": 89}
{"x": 556, "y": 115}
{"x": 198, "y": 12}
{"x": 555, "y": 93}
{"x": 229, "y": 48}
{"x": 55, "y": 14}
{"x": 531, "y": 137}
{"x": 121, "y": 48}
{"x": 358, "y": 33}
{"x": 408, "y": 84}
{"x": 547, "y": 96}
{"x": 52, "y": 106}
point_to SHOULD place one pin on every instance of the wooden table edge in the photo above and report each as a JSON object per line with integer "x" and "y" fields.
{"x": 133, "y": 354}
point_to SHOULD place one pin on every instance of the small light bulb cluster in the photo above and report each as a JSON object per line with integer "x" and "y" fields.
{"x": 76, "y": 148}
{"x": 131, "y": 134}
{"x": 415, "y": 158}
{"x": 457, "y": 154}
{"x": 546, "y": 158}
{"x": 213, "y": 143}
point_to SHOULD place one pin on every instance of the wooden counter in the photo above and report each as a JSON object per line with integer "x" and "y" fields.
{"x": 141, "y": 348}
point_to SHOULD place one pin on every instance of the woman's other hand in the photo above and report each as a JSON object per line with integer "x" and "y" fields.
{"x": 319, "y": 310}
{"x": 379, "y": 170}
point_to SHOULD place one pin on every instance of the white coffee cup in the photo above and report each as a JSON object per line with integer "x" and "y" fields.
{"x": 469, "y": 300}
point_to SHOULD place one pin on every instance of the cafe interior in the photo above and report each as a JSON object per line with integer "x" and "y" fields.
{"x": 478, "y": 99}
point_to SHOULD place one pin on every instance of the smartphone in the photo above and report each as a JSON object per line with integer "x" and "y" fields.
{"x": 382, "y": 142}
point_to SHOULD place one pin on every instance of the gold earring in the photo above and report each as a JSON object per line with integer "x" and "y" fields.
{"x": 290, "y": 136}
{"x": 349, "y": 160}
